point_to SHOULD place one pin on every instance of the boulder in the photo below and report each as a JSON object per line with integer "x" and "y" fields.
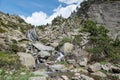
{"x": 44, "y": 54}
{"x": 98, "y": 73}
{"x": 26, "y": 59}
{"x": 67, "y": 47}
{"x": 42, "y": 47}
{"x": 95, "y": 67}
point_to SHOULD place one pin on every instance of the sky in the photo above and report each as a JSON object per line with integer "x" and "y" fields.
{"x": 39, "y": 12}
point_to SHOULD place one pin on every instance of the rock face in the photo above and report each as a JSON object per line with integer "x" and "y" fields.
{"x": 105, "y": 13}
{"x": 26, "y": 59}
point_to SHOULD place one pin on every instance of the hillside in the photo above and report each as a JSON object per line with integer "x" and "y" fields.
{"x": 85, "y": 46}
{"x": 12, "y": 28}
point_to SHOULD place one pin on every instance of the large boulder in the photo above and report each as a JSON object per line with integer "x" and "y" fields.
{"x": 26, "y": 59}
{"x": 67, "y": 47}
{"x": 42, "y": 47}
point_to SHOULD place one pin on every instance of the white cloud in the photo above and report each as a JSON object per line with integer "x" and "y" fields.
{"x": 41, "y": 18}
{"x": 37, "y": 18}
{"x": 70, "y": 1}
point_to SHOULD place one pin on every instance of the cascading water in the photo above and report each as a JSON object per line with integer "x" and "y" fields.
{"x": 32, "y": 35}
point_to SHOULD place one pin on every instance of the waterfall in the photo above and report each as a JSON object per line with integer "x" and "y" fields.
{"x": 32, "y": 35}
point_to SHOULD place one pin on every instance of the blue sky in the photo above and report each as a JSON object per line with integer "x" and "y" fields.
{"x": 39, "y": 12}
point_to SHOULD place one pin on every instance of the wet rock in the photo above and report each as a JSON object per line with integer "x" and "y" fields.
{"x": 67, "y": 47}
{"x": 100, "y": 74}
{"x": 26, "y": 59}
{"x": 95, "y": 67}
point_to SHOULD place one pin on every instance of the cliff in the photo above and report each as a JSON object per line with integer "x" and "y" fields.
{"x": 104, "y": 12}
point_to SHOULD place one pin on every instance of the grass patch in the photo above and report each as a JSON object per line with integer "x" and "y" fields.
{"x": 9, "y": 61}
{"x": 16, "y": 75}
{"x": 63, "y": 62}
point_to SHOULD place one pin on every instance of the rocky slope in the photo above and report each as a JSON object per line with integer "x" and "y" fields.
{"x": 62, "y": 36}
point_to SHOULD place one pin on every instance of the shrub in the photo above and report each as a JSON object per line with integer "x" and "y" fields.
{"x": 102, "y": 46}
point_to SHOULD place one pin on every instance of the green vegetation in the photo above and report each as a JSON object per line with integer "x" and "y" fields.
{"x": 64, "y": 63}
{"x": 77, "y": 40}
{"x": 58, "y": 20}
{"x": 65, "y": 39}
{"x": 16, "y": 75}
{"x": 42, "y": 27}
{"x": 101, "y": 45}
{"x": 9, "y": 60}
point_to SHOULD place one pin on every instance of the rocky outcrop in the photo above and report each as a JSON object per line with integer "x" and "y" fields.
{"x": 104, "y": 13}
